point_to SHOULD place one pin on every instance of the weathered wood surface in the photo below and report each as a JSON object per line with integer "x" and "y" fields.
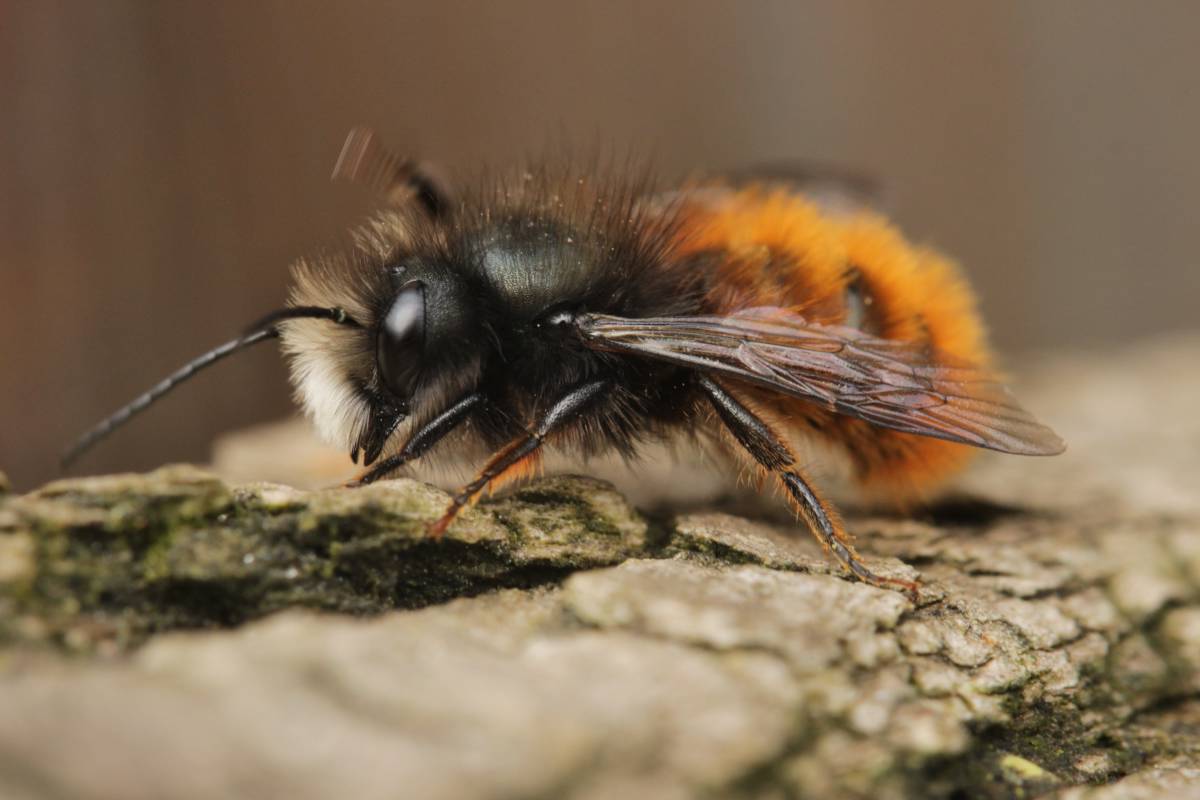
{"x": 169, "y": 635}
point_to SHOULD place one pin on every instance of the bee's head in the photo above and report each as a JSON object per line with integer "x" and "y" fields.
{"x": 416, "y": 346}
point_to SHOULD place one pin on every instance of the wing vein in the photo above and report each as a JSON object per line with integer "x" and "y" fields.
{"x": 900, "y": 385}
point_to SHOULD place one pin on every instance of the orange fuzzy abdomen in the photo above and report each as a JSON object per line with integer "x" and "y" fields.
{"x": 774, "y": 248}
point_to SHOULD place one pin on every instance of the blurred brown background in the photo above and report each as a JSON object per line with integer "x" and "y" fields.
{"x": 161, "y": 163}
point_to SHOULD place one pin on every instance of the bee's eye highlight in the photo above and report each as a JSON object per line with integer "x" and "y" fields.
{"x": 400, "y": 341}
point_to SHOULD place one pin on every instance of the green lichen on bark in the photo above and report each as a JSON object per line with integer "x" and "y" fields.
{"x": 1018, "y": 673}
{"x": 113, "y": 560}
{"x": 557, "y": 643}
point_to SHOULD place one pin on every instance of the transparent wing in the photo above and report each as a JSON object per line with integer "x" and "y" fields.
{"x": 892, "y": 384}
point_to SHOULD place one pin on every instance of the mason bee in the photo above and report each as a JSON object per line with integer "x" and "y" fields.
{"x": 594, "y": 314}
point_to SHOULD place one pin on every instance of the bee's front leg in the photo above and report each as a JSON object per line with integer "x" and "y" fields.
{"x": 424, "y": 438}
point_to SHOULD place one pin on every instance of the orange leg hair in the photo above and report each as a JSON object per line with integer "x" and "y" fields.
{"x": 769, "y": 450}
{"x": 521, "y": 455}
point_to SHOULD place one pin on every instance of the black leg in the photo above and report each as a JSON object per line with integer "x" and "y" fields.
{"x": 522, "y": 450}
{"x": 423, "y": 439}
{"x": 772, "y": 453}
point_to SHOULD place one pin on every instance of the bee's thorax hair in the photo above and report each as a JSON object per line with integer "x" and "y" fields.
{"x": 502, "y": 256}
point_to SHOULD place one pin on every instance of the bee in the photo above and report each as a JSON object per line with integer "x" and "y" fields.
{"x": 595, "y": 314}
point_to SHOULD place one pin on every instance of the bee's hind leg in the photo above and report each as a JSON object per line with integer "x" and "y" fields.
{"x": 770, "y": 451}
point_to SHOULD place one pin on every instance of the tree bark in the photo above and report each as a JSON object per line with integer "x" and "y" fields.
{"x": 170, "y": 635}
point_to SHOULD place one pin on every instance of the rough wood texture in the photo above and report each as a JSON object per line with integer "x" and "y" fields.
{"x": 561, "y": 644}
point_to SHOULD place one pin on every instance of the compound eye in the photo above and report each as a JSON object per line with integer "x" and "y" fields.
{"x": 401, "y": 340}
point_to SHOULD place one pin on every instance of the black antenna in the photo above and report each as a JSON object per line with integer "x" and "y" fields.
{"x": 364, "y": 159}
{"x": 262, "y": 330}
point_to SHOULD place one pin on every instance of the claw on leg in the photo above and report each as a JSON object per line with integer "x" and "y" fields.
{"x": 522, "y": 455}
{"x": 502, "y": 468}
{"x": 773, "y": 455}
